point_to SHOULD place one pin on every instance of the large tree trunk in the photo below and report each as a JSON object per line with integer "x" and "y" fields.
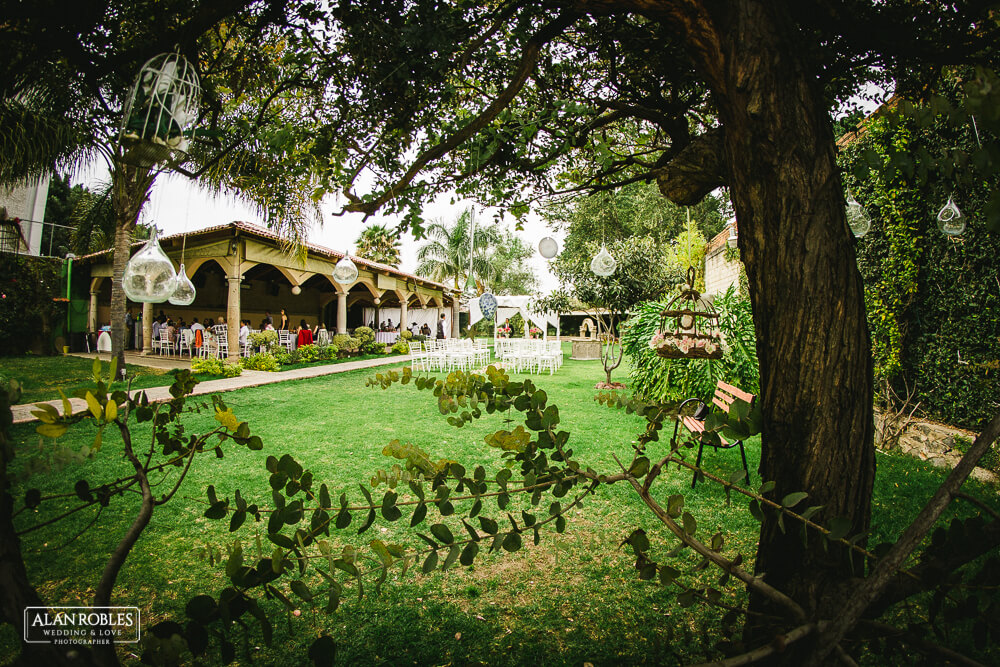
{"x": 807, "y": 296}
{"x": 130, "y": 190}
{"x": 806, "y": 291}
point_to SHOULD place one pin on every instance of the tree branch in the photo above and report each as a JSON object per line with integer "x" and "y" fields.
{"x": 696, "y": 170}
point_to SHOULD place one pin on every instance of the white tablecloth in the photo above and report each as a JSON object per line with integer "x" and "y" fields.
{"x": 387, "y": 337}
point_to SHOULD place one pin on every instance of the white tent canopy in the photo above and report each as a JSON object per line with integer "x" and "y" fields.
{"x": 510, "y": 305}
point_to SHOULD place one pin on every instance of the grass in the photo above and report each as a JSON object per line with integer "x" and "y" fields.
{"x": 571, "y": 599}
{"x": 42, "y": 377}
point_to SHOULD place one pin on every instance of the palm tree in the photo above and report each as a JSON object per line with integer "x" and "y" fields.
{"x": 445, "y": 257}
{"x": 379, "y": 244}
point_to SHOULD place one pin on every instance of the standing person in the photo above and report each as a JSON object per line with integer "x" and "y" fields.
{"x": 198, "y": 329}
{"x": 284, "y": 321}
{"x": 244, "y": 333}
{"x": 441, "y": 330}
{"x": 267, "y": 318}
{"x": 129, "y": 329}
{"x": 156, "y": 329}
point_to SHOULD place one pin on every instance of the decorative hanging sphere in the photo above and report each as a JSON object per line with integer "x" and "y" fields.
{"x": 345, "y": 272}
{"x": 296, "y": 290}
{"x": 548, "y": 248}
{"x": 857, "y": 218}
{"x": 603, "y": 263}
{"x": 951, "y": 221}
{"x": 183, "y": 293}
{"x": 149, "y": 275}
{"x": 488, "y": 305}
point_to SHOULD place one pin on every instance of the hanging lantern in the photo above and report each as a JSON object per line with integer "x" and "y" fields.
{"x": 857, "y": 218}
{"x": 149, "y": 274}
{"x": 160, "y": 111}
{"x": 488, "y": 305}
{"x": 548, "y": 248}
{"x": 296, "y": 290}
{"x": 603, "y": 263}
{"x": 951, "y": 221}
{"x": 345, "y": 272}
{"x": 689, "y": 327}
{"x": 183, "y": 292}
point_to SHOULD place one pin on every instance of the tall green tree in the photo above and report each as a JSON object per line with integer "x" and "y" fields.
{"x": 498, "y": 258}
{"x": 515, "y": 101}
{"x": 379, "y": 244}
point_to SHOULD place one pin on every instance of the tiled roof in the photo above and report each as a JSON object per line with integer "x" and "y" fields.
{"x": 262, "y": 232}
{"x": 719, "y": 239}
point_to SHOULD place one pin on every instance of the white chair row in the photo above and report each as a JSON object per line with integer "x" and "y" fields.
{"x": 529, "y": 355}
{"x": 449, "y": 354}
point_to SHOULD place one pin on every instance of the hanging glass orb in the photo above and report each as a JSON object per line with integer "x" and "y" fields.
{"x": 857, "y": 218}
{"x": 149, "y": 275}
{"x": 345, "y": 272}
{"x": 603, "y": 263}
{"x": 548, "y": 248}
{"x": 296, "y": 290}
{"x": 951, "y": 221}
{"x": 488, "y": 305}
{"x": 183, "y": 293}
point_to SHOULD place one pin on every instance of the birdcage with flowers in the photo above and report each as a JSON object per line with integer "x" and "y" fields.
{"x": 689, "y": 327}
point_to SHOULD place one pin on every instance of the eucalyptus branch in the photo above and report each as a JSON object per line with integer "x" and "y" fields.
{"x": 725, "y": 564}
{"x": 777, "y": 645}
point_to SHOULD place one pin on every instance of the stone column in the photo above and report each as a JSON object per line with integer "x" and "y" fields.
{"x": 233, "y": 318}
{"x": 92, "y": 313}
{"x": 404, "y": 314}
{"x": 147, "y": 328}
{"x": 342, "y": 312}
{"x": 455, "y": 307}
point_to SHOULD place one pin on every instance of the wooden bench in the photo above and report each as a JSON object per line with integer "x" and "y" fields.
{"x": 724, "y": 396}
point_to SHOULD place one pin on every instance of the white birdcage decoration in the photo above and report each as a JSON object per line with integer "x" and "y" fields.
{"x": 160, "y": 112}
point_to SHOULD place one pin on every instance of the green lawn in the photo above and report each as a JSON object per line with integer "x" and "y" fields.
{"x": 571, "y": 599}
{"x": 42, "y": 377}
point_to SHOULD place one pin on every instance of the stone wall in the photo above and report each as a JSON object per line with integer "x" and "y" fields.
{"x": 719, "y": 273}
{"x": 935, "y": 443}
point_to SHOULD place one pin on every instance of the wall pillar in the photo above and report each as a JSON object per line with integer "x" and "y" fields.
{"x": 233, "y": 317}
{"x": 147, "y": 328}
{"x": 403, "y": 314}
{"x": 342, "y": 312}
{"x": 92, "y": 312}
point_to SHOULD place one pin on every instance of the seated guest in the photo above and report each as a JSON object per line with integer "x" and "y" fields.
{"x": 305, "y": 336}
{"x": 169, "y": 332}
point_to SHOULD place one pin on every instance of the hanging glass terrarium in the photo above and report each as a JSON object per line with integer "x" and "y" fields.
{"x": 149, "y": 274}
{"x": 183, "y": 292}
{"x": 689, "y": 327}
{"x": 857, "y": 218}
{"x": 603, "y": 264}
{"x": 345, "y": 272}
{"x": 548, "y": 247}
{"x": 950, "y": 219}
{"x": 488, "y": 305}
{"x": 161, "y": 109}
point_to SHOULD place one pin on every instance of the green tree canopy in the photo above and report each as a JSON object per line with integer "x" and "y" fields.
{"x": 379, "y": 244}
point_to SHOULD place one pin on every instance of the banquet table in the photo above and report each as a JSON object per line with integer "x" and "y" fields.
{"x": 387, "y": 337}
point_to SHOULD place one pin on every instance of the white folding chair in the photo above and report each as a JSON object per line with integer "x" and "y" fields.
{"x": 221, "y": 340}
{"x": 166, "y": 343}
{"x": 285, "y": 339}
{"x": 186, "y": 341}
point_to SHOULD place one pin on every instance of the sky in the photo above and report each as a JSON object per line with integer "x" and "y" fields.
{"x": 176, "y": 205}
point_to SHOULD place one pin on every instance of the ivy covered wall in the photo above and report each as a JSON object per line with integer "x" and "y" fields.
{"x": 933, "y": 301}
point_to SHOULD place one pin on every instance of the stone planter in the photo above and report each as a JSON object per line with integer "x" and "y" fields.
{"x": 586, "y": 349}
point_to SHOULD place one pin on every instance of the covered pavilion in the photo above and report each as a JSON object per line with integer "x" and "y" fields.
{"x": 241, "y": 271}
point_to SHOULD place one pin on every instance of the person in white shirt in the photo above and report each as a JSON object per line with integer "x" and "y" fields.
{"x": 244, "y": 333}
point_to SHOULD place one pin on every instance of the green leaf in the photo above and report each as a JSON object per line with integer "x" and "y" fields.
{"x": 51, "y": 430}
{"x": 94, "y": 406}
{"x": 512, "y": 542}
{"x": 430, "y": 563}
{"x": 838, "y": 527}
{"x": 690, "y": 525}
{"x": 793, "y": 499}
{"x": 675, "y": 504}
{"x": 323, "y": 651}
{"x": 443, "y": 533}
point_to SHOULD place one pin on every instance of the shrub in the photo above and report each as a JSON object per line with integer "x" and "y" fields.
{"x": 418, "y": 338}
{"x": 402, "y": 347}
{"x": 261, "y": 362}
{"x": 216, "y": 366}
{"x": 406, "y": 334}
{"x": 266, "y": 339}
{"x": 282, "y": 356}
{"x": 308, "y": 353}
{"x": 367, "y": 343}
{"x": 655, "y": 378}
{"x": 328, "y": 352}
{"x": 346, "y": 345}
